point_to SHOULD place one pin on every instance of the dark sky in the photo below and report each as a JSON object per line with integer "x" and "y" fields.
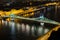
{"x": 17, "y": 0}
{"x": 23, "y": 0}
{"x": 2, "y": 1}
{"x": 6, "y": 0}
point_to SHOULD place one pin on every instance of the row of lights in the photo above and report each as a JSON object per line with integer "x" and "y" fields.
{"x": 21, "y": 11}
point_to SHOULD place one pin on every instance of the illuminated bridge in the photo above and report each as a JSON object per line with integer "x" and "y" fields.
{"x": 22, "y": 30}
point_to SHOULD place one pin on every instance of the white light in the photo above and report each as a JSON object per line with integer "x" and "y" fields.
{"x": 10, "y": 23}
{"x": 46, "y": 30}
{"x": 6, "y": 23}
{"x": 27, "y": 29}
{"x": 13, "y": 28}
{"x": 42, "y": 24}
{"x": 23, "y": 27}
{"x": 40, "y": 30}
{"x": 33, "y": 30}
{"x": 41, "y": 16}
{"x": 18, "y": 26}
{"x": 8, "y": 4}
{"x": 2, "y": 21}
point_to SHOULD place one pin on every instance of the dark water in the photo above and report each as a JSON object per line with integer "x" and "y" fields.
{"x": 26, "y": 30}
{"x": 55, "y": 35}
{"x": 20, "y": 31}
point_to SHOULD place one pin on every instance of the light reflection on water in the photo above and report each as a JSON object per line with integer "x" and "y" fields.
{"x": 13, "y": 30}
{"x": 18, "y": 26}
{"x": 33, "y": 30}
{"x": 25, "y": 28}
{"x": 46, "y": 30}
{"x": 40, "y": 30}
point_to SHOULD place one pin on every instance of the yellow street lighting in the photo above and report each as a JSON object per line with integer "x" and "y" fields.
{"x": 51, "y": 4}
